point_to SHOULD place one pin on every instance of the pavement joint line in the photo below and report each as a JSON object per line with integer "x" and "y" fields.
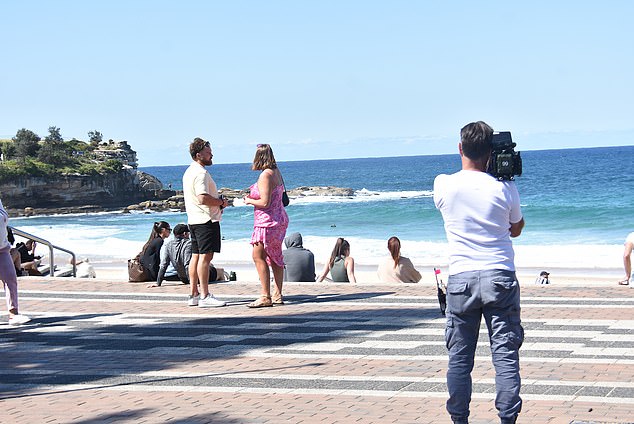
{"x": 258, "y": 352}
{"x": 318, "y": 377}
{"x": 335, "y": 302}
{"x": 318, "y": 296}
{"x": 321, "y": 392}
{"x": 306, "y": 318}
{"x": 300, "y": 341}
{"x": 425, "y": 358}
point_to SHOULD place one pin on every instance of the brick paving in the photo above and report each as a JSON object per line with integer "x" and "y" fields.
{"x": 103, "y": 351}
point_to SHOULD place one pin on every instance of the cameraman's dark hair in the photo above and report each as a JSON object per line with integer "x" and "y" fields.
{"x": 476, "y": 140}
{"x": 197, "y": 146}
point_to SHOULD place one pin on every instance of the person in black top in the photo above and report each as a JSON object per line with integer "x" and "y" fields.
{"x": 29, "y": 261}
{"x": 151, "y": 252}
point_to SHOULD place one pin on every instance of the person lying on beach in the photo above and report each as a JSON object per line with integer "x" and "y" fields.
{"x": 340, "y": 265}
{"x": 627, "y": 261}
{"x": 397, "y": 268}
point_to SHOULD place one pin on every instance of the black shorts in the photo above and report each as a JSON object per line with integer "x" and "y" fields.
{"x": 205, "y": 237}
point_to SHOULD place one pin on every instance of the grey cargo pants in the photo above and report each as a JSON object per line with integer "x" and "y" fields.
{"x": 494, "y": 294}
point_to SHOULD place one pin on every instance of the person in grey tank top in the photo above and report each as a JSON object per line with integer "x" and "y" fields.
{"x": 340, "y": 265}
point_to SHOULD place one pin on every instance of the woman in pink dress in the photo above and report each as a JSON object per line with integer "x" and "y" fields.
{"x": 269, "y": 226}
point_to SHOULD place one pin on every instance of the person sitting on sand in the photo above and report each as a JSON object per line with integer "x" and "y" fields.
{"x": 340, "y": 265}
{"x": 397, "y": 268}
{"x": 29, "y": 261}
{"x": 176, "y": 253}
{"x": 543, "y": 278}
{"x": 299, "y": 262}
{"x": 627, "y": 261}
{"x": 151, "y": 252}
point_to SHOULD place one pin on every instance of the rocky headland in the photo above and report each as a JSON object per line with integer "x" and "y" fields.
{"x": 176, "y": 202}
{"x": 94, "y": 177}
{"x": 146, "y": 195}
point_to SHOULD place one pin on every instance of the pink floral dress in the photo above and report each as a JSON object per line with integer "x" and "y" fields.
{"x": 270, "y": 224}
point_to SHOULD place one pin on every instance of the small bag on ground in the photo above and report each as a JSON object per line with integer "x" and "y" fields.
{"x": 136, "y": 271}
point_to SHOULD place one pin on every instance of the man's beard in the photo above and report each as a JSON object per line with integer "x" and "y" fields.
{"x": 206, "y": 162}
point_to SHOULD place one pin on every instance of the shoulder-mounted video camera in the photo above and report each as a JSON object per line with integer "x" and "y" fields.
{"x": 505, "y": 163}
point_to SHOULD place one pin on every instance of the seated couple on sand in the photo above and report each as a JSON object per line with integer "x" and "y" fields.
{"x": 169, "y": 260}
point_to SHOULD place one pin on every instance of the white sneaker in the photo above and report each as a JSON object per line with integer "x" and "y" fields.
{"x": 193, "y": 301}
{"x": 210, "y": 302}
{"x": 18, "y": 319}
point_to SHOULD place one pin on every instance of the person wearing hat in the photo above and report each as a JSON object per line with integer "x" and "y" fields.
{"x": 543, "y": 278}
{"x": 176, "y": 253}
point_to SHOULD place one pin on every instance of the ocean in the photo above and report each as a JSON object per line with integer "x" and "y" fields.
{"x": 578, "y": 205}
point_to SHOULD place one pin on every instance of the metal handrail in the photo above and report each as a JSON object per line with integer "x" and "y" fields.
{"x": 51, "y": 246}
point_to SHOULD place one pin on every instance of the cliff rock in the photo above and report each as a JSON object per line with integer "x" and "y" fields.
{"x": 120, "y": 189}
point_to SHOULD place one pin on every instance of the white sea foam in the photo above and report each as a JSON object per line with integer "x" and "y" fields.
{"x": 358, "y": 196}
{"x": 110, "y": 243}
{"x": 430, "y": 254}
{"x": 94, "y": 242}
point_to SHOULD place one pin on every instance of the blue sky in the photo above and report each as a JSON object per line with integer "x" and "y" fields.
{"x": 318, "y": 79}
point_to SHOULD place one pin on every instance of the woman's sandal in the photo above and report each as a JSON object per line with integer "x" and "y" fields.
{"x": 262, "y": 302}
{"x": 624, "y": 283}
{"x": 278, "y": 300}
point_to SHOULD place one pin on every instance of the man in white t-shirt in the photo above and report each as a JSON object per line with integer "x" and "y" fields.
{"x": 627, "y": 262}
{"x": 203, "y": 206}
{"x": 481, "y": 214}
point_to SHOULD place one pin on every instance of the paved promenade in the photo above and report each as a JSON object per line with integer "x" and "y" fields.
{"x": 100, "y": 351}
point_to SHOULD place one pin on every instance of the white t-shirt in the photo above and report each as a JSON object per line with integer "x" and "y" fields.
{"x": 630, "y": 238}
{"x": 478, "y": 211}
{"x": 196, "y": 180}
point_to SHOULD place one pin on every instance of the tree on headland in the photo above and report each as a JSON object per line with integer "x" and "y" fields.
{"x": 54, "y": 151}
{"x": 7, "y": 149}
{"x": 26, "y": 144}
{"x": 95, "y": 137}
{"x": 54, "y": 135}
{"x": 27, "y": 155}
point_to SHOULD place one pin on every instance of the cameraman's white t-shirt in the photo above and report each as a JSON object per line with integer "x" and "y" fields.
{"x": 478, "y": 211}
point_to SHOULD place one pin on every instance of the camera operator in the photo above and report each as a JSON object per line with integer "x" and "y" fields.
{"x": 481, "y": 214}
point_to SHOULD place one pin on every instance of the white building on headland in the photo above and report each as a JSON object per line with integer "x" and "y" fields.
{"x": 120, "y": 150}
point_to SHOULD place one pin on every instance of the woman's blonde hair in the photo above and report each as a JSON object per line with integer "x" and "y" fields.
{"x": 264, "y": 158}
{"x": 394, "y": 246}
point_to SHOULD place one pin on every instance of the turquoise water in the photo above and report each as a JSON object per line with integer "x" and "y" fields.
{"x": 577, "y": 203}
